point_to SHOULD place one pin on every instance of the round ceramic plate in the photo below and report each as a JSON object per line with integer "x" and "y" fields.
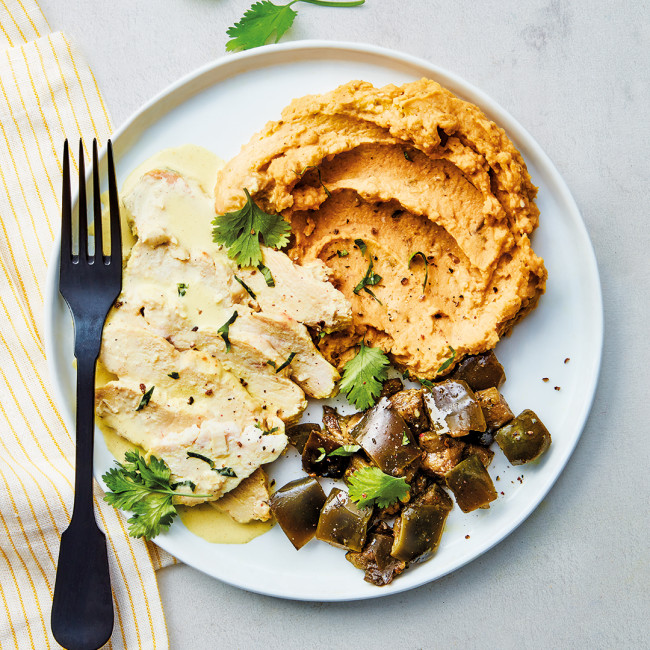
{"x": 220, "y": 107}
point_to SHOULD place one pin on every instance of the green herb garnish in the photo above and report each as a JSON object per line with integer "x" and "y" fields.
{"x": 224, "y": 330}
{"x": 240, "y": 232}
{"x": 405, "y": 439}
{"x": 225, "y": 471}
{"x": 266, "y": 432}
{"x": 445, "y": 364}
{"x": 286, "y": 363}
{"x": 426, "y": 383}
{"x": 345, "y": 450}
{"x": 249, "y": 291}
{"x": 143, "y": 487}
{"x": 188, "y": 483}
{"x": 370, "y": 279}
{"x": 182, "y": 288}
{"x": 320, "y": 180}
{"x": 263, "y": 19}
{"x": 322, "y": 455}
{"x": 342, "y": 253}
{"x": 146, "y": 398}
{"x": 406, "y": 155}
{"x": 174, "y": 375}
{"x": 426, "y": 268}
{"x": 266, "y": 272}
{"x": 205, "y": 459}
{"x": 363, "y": 376}
{"x": 370, "y": 486}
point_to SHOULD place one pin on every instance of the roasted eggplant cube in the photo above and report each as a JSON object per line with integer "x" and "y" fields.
{"x": 419, "y": 528}
{"x": 299, "y": 434}
{"x": 385, "y": 437}
{"x": 335, "y": 427}
{"x": 442, "y": 453}
{"x": 375, "y": 560}
{"x": 296, "y": 507}
{"x": 524, "y": 439}
{"x": 454, "y": 409}
{"x": 391, "y": 386}
{"x": 495, "y": 408}
{"x": 315, "y": 458}
{"x": 342, "y": 523}
{"x": 484, "y": 454}
{"x": 480, "y": 371}
{"x": 471, "y": 484}
{"x": 410, "y": 405}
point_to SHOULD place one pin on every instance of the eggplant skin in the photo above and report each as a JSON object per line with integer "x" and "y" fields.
{"x": 524, "y": 439}
{"x": 342, "y": 523}
{"x": 471, "y": 484}
{"x": 480, "y": 371}
{"x": 296, "y": 507}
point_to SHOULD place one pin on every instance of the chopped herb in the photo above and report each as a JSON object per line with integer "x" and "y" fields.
{"x": 320, "y": 180}
{"x": 370, "y": 279}
{"x": 286, "y": 363}
{"x": 363, "y": 376}
{"x": 342, "y": 253}
{"x": 182, "y": 288}
{"x": 266, "y": 272}
{"x": 264, "y": 19}
{"x": 174, "y": 375}
{"x": 426, "y": 268}
{"x": 264, "y": 431}
{"x": 143, "y": 488}
{"x": 188, "y": 483}
{"x": 322, "y": 455}
{"x": 225, "y": 471}
{"x": 146, "y": 398}
{"x": 406, "y": 374}
{"x": 449, "y": 361}
{"x": 405, "y": 439}
{"x": 240, "y": 232}
{"x": 345, "y": 450}
{"x": 249, "y": 291}
{"x": 271, "y": 363}
{"x": 370, "y": 486}
{"x": 321, "y": 335}
{"x": 426, "y": 382}
{"x": 205, "y": 459}
{"x": 406, "y": 155}
{"x": 224, "y": 330}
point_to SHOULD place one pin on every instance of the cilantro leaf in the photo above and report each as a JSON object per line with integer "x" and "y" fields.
{"x": 240, "y": 232}
{"x": 146, "y": 398}
{"x": 264, "y": 19}
{"x": 224, "y": 330}
{"x": 345, "y": 450}
{"x": 182, "y": 288}
{"x": 143, "y": 488}
{"x": 364, "y": 375}
{"x": 369, "y": 486}
{"x": 445, "y": 364}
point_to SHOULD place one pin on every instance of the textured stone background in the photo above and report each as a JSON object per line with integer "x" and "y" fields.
{"x": 576, "y": 75}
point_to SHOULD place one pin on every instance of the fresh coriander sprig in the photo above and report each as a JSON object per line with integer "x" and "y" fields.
{"x": 363, "y": 376}
{"x": 240, "y": 232}
{"x": 143, "y": 488}
{"x": 370, "y": 486}
{"x": 264, "y": 19}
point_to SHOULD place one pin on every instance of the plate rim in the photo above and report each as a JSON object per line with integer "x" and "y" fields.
{"x": 448, "y": 79}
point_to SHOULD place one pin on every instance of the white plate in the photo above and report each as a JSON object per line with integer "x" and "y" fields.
{"x": 220, "y": 106}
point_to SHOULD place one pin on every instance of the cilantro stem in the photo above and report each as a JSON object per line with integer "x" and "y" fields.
{"x": 328, "y": 3}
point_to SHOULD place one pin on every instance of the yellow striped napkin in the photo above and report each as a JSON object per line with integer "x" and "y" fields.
{"x": 47, "y": 94}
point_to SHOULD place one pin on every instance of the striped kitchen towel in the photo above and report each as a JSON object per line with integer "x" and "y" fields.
{"x": 47, "y": 94}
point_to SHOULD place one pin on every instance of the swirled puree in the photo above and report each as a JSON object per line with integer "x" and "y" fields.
{"x": 212, "y": 399}
{"x": 404, "y": 170}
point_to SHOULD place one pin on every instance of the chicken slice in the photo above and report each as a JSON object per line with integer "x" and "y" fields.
{"x": 228, "y": 455}
{"x": 249, "y": 501}
{"x": 138, "y": 354}
{"x": 302, "y": 293}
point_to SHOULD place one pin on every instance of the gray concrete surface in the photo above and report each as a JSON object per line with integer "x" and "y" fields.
{"x": 576, "y": 75}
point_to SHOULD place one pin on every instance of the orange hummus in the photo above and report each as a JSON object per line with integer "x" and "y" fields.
{"x": 409, "y": 169}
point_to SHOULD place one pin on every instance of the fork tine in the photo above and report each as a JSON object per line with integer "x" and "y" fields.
{"x": 97, "y": 206}
{"x": 114, "y": 210}
{"x": 66, "y": 209}
{"x": 83, "y": 215}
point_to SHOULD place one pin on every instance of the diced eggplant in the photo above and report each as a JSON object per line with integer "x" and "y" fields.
{"x": 453, "y": 408}
{"x": 375, "y": 560}
{"x": 471, "y": 484}
{"x": 484, "y": 454}
{"x": 316, "y": 459}
{"x": 524, "y": 439}
{"x": 495, "y": 408}
{"x": 442, "y": 453}
{"x": 391, "y": 386}
{"x": 342, "y": 523}
{"x": 298, "y": 434}
{"x": 483, "y": 438}
{"x": 410, "y": 405}
{"x": 385, "y": 437}
{"x": 480, "y": 371}
{"x": 297, "y": 507}
{"x": 419, "y": 528}
{"x": 357, "y": 462}
{"x": 334, "y": 428}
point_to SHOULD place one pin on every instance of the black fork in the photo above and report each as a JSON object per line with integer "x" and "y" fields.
{"x": 82, "y": 610}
